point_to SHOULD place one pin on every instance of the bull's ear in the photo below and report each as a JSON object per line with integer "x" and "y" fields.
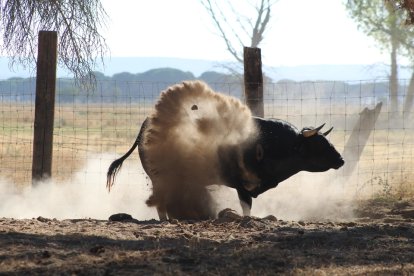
{"x": 327, "y": 132}
{"x": 259, "y": 152}
{"x": 311, "y": 132}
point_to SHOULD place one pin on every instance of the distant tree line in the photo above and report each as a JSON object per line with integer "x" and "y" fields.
{"x": 123, "y": 86}
{"x": 146, "y": 87}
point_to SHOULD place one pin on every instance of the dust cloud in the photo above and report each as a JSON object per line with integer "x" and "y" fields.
{"x": 84, "y": 196}
{"x": 305, "y": 196}
{"x": 190, "y": 124}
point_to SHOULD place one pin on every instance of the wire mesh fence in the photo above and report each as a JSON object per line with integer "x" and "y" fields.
{"x": 105, "y": 122}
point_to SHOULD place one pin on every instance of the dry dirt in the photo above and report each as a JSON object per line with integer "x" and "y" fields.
{"x": 379, "y": 241}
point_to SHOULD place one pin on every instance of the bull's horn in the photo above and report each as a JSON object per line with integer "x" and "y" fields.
{"x": 327, "y": 132}
{"x": 311, "y": 132}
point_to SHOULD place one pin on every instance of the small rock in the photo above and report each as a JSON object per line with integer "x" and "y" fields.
{"x": 270, "y": 217}
{"x": 350, "y": 224}
{"x": 120, "y": 217}
{"x": 42, "y": 219}
{"x": 249, "y": 222}
{"x": 301, "y": 223}
{"x": 174, "y": 221}
{"x": 169, "y": 259}
{"x": 45, "y": 254}
{"x": 228, "y": 215}
{"x": 97, "y": 249}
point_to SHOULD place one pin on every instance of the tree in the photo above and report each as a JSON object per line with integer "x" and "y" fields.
{"x": 408, "y": 6}
{"x": 238, "y": 30}
{"x": 385, "y": 21}
{"x": 77, "y": 23}
{"x": 408, "y": 48}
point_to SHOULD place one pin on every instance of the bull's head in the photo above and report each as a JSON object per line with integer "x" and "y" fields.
{"x": 282, "y": 151}
{"x": 317, "y": 152}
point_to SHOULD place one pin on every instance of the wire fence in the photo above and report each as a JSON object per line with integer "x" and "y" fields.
{"x": 105, "y": 122}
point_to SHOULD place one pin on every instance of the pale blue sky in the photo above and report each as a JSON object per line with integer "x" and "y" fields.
{"x": 301, "y": 32}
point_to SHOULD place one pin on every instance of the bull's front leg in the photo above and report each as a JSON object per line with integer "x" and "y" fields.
{"x": 245, "y": 202}
{"x": 162, "y": 214}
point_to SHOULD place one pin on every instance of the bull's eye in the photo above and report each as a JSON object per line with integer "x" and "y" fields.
{"x": 259, "y": 152}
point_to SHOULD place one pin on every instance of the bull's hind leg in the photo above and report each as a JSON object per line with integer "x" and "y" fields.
{"x": 161, "y": 210}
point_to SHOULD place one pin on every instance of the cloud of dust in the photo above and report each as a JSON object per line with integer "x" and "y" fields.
{"x": 181, "y": 147}
{"x": 84, "y": 196}
{"x": 304, "y": 196}
{"x": 191, "y": 122}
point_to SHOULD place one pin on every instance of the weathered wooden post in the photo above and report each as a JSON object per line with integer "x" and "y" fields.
{"x": 253, "y": 80}
{"x": 44, "y": 106}
{"x": 359, "y": 138}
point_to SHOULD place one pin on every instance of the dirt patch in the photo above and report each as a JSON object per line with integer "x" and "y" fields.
{"x": 379, "y": 241}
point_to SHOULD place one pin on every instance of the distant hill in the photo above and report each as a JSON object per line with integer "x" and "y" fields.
{"x": 117, "y": 65}
{"x": 145, "y": 87}
{"x": 134, "y": 65}
{"x": 333, "y": 72}
{"x": 124, "y": 87}
{"x": 169, "y": 75}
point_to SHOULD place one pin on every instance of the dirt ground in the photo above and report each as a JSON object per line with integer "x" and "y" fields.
{"x": 379, "y": 241}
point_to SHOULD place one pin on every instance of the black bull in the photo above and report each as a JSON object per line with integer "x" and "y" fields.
{"x": 278, "y": 152}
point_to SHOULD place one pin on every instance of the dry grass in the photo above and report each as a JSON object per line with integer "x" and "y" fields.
{"x": 81, "y": 130}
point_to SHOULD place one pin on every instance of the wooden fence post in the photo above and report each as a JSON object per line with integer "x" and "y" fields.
{"x": 44, "y": 106}
{"x": 359, "y": 138}
{"x": 253, "y": 80}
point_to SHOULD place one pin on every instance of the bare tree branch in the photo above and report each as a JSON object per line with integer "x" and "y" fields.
{"x": 77, "y": 23}
{"x": 207, "y": 4}
{"x": 260, "y": 26}
{"x": 233, "y": 33}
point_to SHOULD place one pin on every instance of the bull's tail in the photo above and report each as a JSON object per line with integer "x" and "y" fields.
{"x": 115, "y": 167}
